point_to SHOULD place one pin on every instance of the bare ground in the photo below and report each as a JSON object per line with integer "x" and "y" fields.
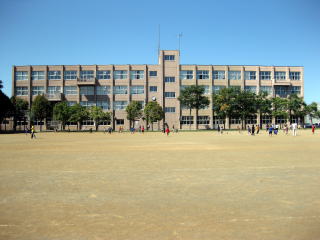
{"x": 193, "y": 185}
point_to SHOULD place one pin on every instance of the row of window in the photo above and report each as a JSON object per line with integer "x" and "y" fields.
{"x": 84, "y": 75}
{"x": 139, "y": 89}
{"x": 139, "y": 74}
{"x": 236, "y": 75}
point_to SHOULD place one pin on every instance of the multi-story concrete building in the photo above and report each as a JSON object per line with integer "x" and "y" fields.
{"x": 113, "y": 86}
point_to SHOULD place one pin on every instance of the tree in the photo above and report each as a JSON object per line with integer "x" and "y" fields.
{"x": 245, "y": 105}
{"x": 224, "y": 102}
{"x": 78, "y": 114}
{"x": 312, "y": 110}
{"x": 153, "y": 112}
{"x": 97, "y": 114}
{"x": 296, "y": 106}
{"x": 192, "y": 97}
{"x": 5, "y": 105}
{"x": 62, "y": 113}
{"x": 19, "y": 110}
{"x": 279, "y": 107}
{"x": 134, "y": 112}
{"x": 264, "y": 105}
{"x": 41, "y": 108}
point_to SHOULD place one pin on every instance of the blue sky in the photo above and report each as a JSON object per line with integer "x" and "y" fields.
{"x": 255, "y": 32}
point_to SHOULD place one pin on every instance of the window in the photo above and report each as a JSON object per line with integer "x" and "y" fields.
{"x": 186, "y": 120}
{"x": 120, "y": 121}
{"x": 234, "y": 120}
{"x": 281, "y": 120}
{"x": 250, "y": 75}
{"x": 203, "y": 120}
{"x": 169, "y": 94}
{"x": 53, "y": 90}
{"x": 217, "y": 120}
{"x": 216, "y": 89}
{"x": 102, "y": 90}
{"x": 70, "y": 75}
{"x": 37, "y": 75}
{"x": 21, "y": 75}
{"x": 87, "y": 90}
{"x": 294, "y": 75}
{"x": 169, "y": 79}
{"x": 104, "y": 123}
{"x": 282, "y": 91}
{"x": 203, "y": 74}
{"x": 137, "y": 90}
{"x": 169, "y": 109}
{"x": 120, "y": 90}
{"x": 169, "y": 57}
{"x": 142, "y": 103}
{"x": 153, "y": 73}
{"x": 266, "y": 119}
{"x": 105, "y": 105}
{"x": 71, "y": 103}
{"x": 265, "y": 75}
{"x": 88, "y": 122}
{"x": 296, "y": 89}
{"x": 70, "y": 90}
{"x": 87, "y": 103}
{"x": 137, "y": 74}
{"x": 120, "y": 105}
{"x": 22, "y": 91}
{"x": 120, "y": 74}
{"x": 267, "y": 89}
{"x": 206, "y": 89}
{"x": 186, "y": 74}
{"x": 251, "y": 120}
{"x": 87, "y": 75}
{"x": 38, "y": 123}
{"x": 54, "y": 75}
{"x": 103, "y": 74}
{"x": 252, "y": 89}
{"x": 280, "y": 75}
{"x": 219, "y": 75}
{"x": 234, "y": 75}
{"x": 37, "y": 90}
{"x": 153, "y": 88}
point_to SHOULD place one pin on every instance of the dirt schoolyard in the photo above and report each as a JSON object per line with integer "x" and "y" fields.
{"x": 190, "y": 185}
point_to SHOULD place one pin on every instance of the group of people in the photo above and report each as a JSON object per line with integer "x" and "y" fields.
{"x": 274, "y": 128}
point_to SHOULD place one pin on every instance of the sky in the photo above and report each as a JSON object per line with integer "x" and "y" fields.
{"x": 215, "y": 32}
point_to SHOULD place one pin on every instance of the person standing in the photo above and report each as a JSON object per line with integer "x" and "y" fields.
{"x": 313, "y": 128}
{"x": 249, "y": 130}
{"x": 294, "y": 129}
{"x": 167, "y": 131}
{"x": 33, "y": 135}
{"x": 142, "y": 129}
{"x": 258, "y": 129}
{"x": 270, "y": 129}
{"x": 252, "y": 130}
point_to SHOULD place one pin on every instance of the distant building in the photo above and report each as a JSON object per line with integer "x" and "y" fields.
{"x": 112, "y": 87}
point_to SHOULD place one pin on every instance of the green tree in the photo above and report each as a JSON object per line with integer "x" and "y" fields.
{"x": 153, "y": 112}
{"x": 41, "y": 108}
{"x": 192, "y": 97}
{"x": 78, "y": 114}
{"x": 245, "y": 105}
{"x": 97, "y": 114}
{"x": 5, "y": 105}
{"x": 20, "y": 108}
{"x": 224, "y": 102}
{"x": 62, "y": 113}
{"x": 264, "y": 105}
{"x": 312, "y": 110}
{"x": 296, "y": 107}
{"x": 279, "y": 107}
{"x": 134, "y": 112}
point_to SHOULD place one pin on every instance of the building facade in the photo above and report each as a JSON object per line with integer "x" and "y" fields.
{"x": 112, "y": 87}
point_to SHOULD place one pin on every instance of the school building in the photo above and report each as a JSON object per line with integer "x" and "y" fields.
{"x": 113, "y": 87}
